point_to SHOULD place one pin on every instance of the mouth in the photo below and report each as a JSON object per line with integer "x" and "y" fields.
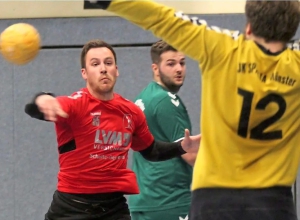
{"x": 104, "y": 79}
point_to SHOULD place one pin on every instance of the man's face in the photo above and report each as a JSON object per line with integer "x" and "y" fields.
{"x": 101, "y": 71}
{"x": 171, "y": 70}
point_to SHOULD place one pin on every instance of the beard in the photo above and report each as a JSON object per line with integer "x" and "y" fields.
{"x": 168, "y": 83}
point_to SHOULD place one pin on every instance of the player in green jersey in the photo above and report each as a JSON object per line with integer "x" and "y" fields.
{"x": 164, "y": 186}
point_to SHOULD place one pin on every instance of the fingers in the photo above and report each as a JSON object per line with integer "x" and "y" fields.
{"x": 186, "y": 133}
{"x": 49, "y": 113}
{"x": 198, "y": 136}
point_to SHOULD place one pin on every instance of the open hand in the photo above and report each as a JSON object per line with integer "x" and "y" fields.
{"x": 190, "y": 144}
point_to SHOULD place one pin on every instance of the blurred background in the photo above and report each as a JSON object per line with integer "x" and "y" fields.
{"x": 28, "y": 158}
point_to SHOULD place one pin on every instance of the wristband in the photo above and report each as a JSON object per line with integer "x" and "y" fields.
{"x": 42, "y": 93}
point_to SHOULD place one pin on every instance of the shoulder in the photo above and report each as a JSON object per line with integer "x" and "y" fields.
{"x": 79, "y": 95}
{"x": 126, "y": 103}
{"x": 76, "y": 98}
{"x": 163, "y": 103}
{"x": 152, "y": 96}
{"x": 169, "y": 100}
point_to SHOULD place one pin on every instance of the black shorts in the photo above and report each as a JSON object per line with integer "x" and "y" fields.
{"x": 274, "y": 203}
{"x": 66, "y": 206}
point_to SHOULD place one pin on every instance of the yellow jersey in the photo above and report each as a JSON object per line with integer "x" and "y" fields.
{"x": 250, "y": 118}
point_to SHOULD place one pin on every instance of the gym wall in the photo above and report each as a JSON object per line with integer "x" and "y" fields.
{"x": 28, "y": 159}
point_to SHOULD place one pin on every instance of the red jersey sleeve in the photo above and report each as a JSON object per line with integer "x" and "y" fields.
{"x": 71, "y": 104}
{"x": 142, "y": 137}
{"x": 68, "y": 104}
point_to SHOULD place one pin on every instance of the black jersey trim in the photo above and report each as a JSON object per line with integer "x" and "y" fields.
{"x": 67, "y": 147}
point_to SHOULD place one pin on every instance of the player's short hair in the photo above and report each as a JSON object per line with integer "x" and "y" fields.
{"x": 95, "y": 44}
{"x": 273, "y": 20}
{"x": 158, "y": 48}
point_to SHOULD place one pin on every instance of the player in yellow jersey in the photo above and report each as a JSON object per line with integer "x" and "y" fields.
{"x": 250, "y": 119}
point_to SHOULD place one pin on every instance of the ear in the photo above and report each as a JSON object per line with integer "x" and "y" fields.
{"x": 117, "y": 73}
{"x": 84, "y": 73}
{"x": 154, "y": 67}
{"x": 248, "y": 30}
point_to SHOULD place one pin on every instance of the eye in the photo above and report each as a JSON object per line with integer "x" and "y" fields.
{"x": 170, "y": 64}
{"x": 182, "y": 63}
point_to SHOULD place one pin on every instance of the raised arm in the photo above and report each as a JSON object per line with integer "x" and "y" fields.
{"x": 190, "y": 35}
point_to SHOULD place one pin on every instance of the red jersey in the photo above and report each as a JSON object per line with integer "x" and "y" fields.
{"x": 93, "y": 143}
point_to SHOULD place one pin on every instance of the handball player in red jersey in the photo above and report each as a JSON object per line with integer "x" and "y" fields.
{"x": 95, "y": 129}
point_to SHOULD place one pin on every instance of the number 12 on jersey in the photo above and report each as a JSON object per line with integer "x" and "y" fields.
{"x": 257, "y": 132}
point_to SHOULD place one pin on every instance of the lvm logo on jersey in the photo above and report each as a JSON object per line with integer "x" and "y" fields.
{"x": 111, "y": 140}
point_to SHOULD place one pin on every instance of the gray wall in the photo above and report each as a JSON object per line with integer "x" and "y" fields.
{"x": 28, "y": 159}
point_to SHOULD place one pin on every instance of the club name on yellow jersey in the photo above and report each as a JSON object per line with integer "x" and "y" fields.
{"x": 250, "y": 118}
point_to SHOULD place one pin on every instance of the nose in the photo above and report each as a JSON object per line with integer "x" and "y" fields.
{"x": 179, "y": 68}
{"x": 103, "y": 68}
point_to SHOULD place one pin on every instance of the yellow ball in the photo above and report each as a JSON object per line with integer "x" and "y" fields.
{"x": 20, "y": 43}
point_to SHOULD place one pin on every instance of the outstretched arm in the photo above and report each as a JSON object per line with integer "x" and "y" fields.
{"x": 153, "y": 150}
{"x": 191, "y": 36}
{"x": 45, "y": 106}
{"x": 161, "y": 151}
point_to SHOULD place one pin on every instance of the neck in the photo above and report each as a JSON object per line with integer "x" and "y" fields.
{"x": 273, "y": 47}
{"x": 173, "y": 90}
{"x": 158, "y": 81}
{"x": 106, "y": 96}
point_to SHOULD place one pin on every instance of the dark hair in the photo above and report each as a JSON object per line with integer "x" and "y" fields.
{"x": 94, "y": 44}
{"x": 159, "y": 48}
{"x": 273, "y": 20}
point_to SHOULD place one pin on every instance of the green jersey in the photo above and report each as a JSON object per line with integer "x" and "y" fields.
{"x": 163, "y": 185}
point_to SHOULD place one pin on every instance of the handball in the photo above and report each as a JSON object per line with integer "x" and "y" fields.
{"x": 20, "y": 43}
